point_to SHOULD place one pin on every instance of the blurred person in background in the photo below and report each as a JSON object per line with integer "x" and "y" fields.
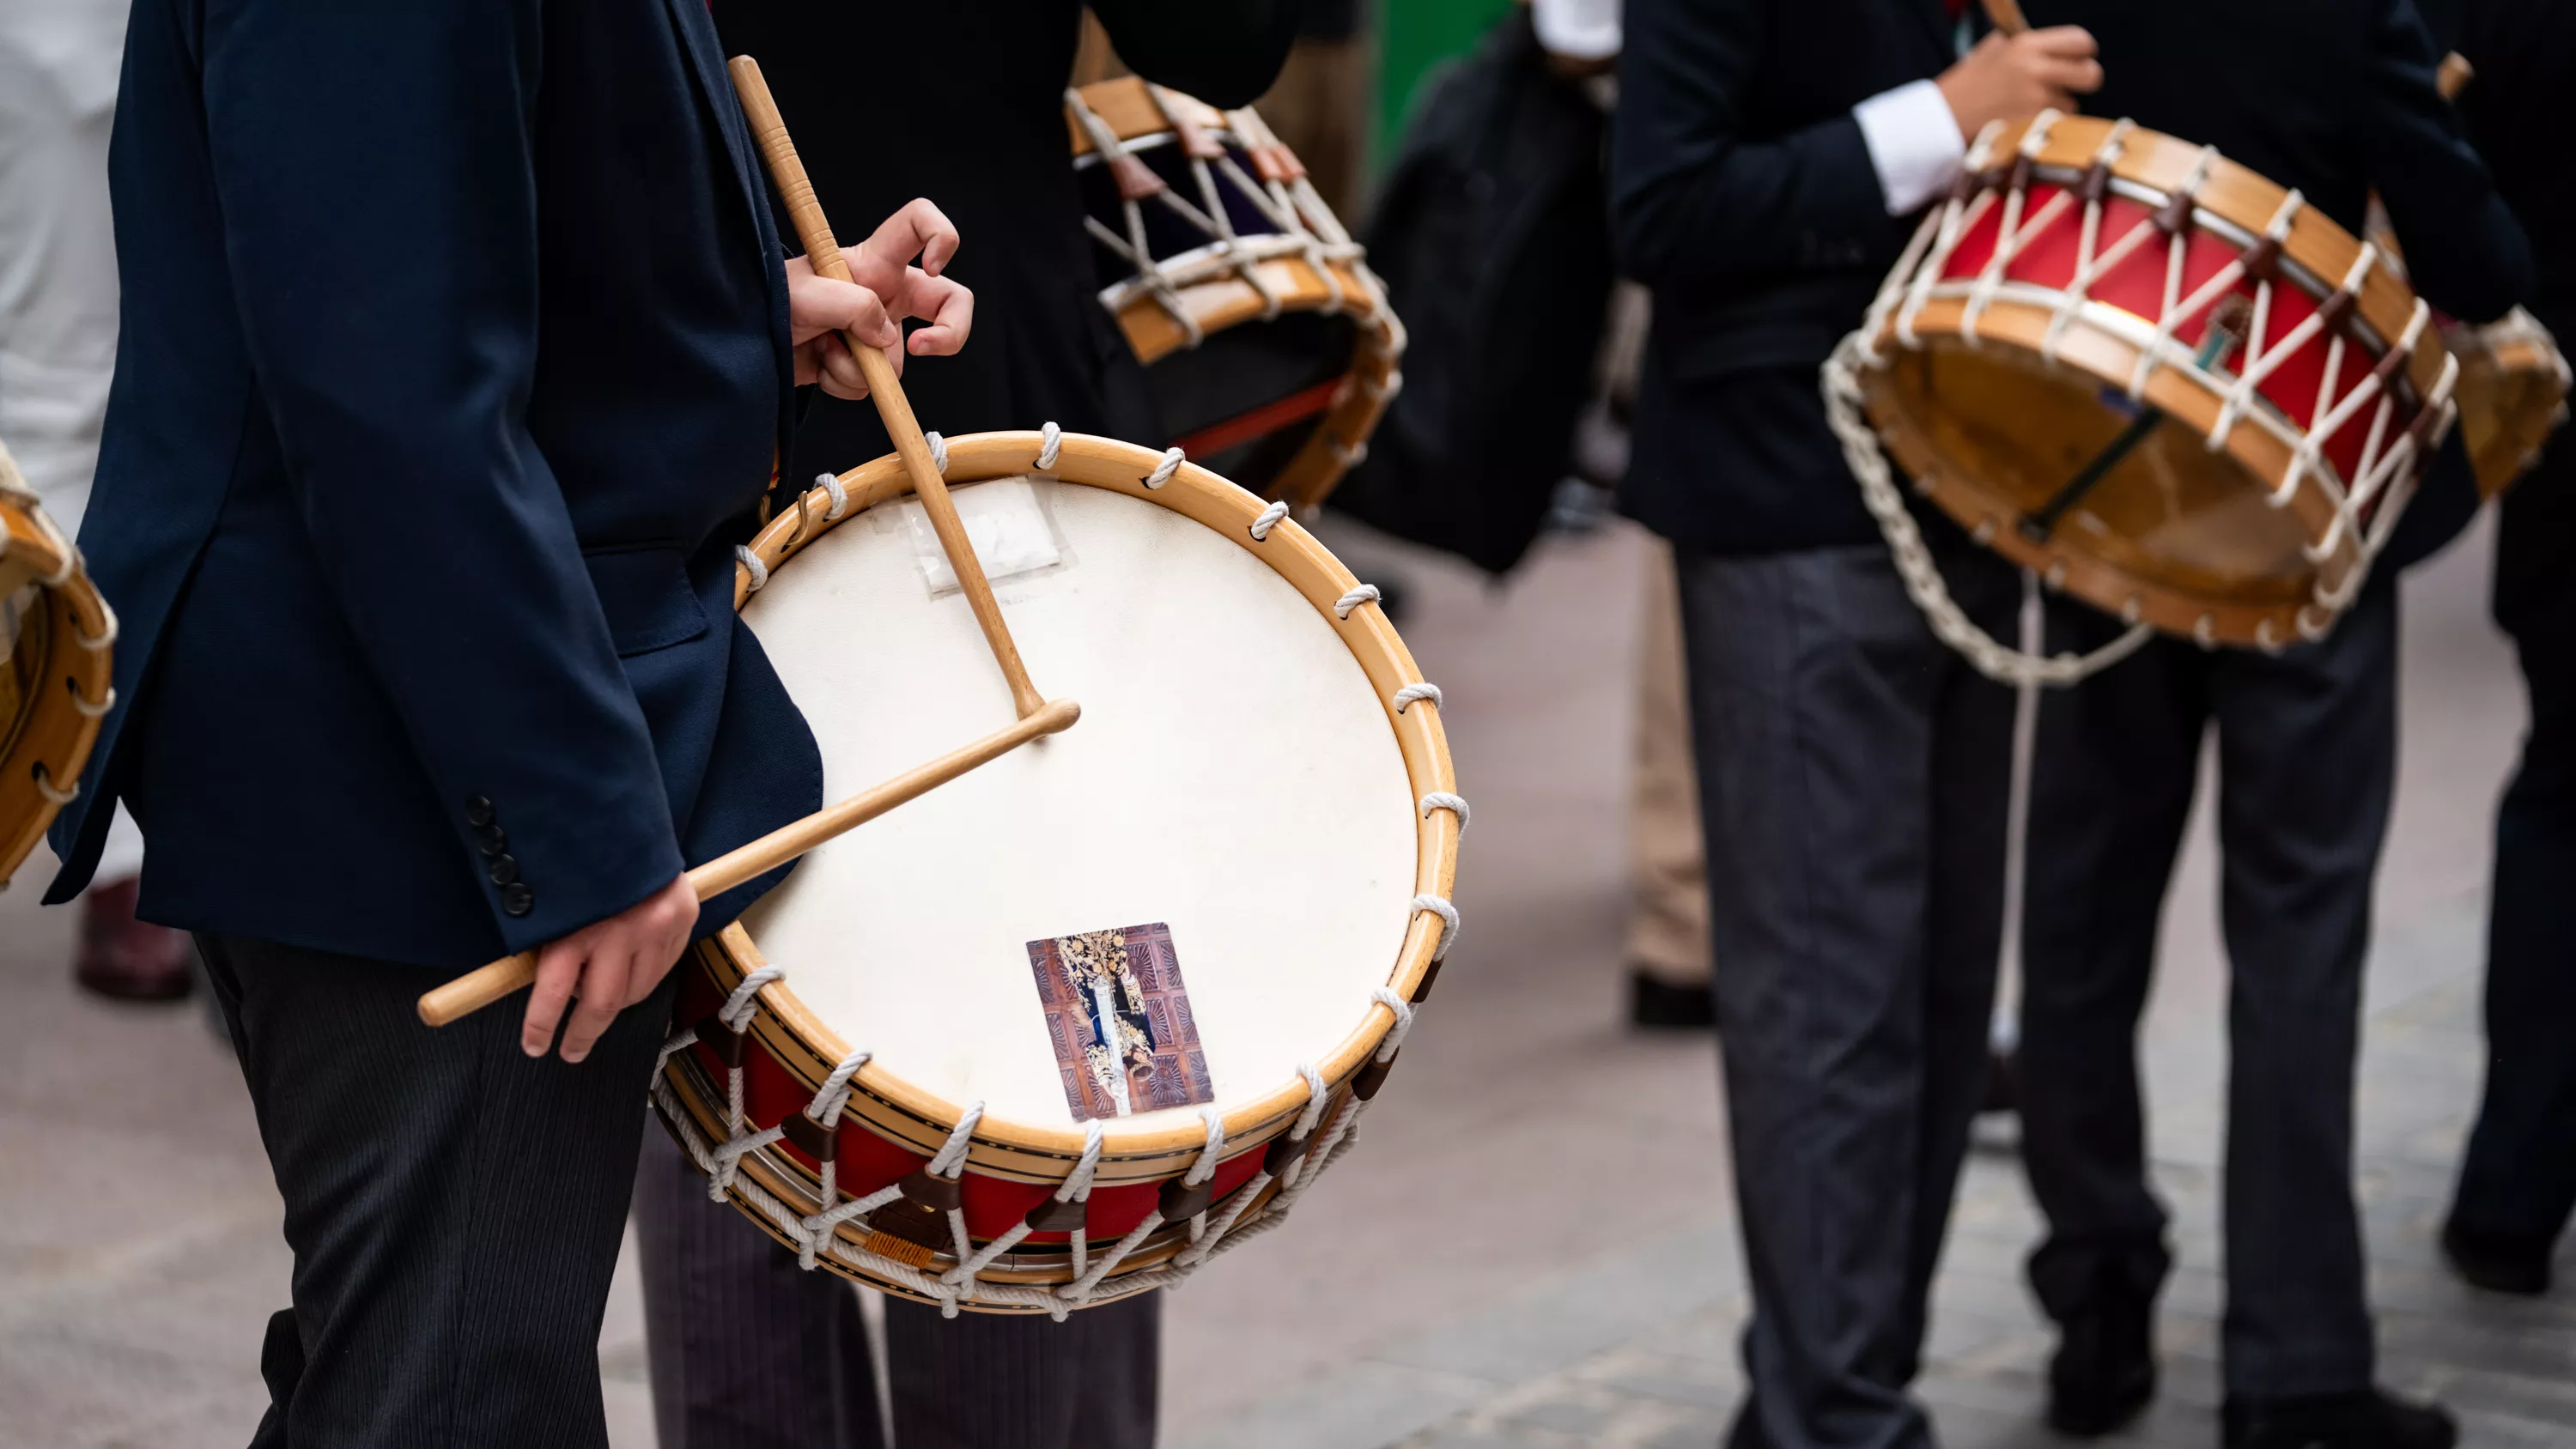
{"x": 2333, "y": 100}
{"x": 2518, "y": 1181}
{"x": 747, "y": 1350}
{"x": 1766, "y": 158}
{"x": 58, "y": 67}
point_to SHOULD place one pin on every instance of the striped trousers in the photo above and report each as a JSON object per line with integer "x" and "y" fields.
{"x": 749, "y": 1351}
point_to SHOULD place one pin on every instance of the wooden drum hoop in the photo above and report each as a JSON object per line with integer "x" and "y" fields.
{"x": 55, "y": 683}
{"x": 2387, "y": 379}
{"x": 1308, "y": 264}
{"x": 1254, "y": 1179}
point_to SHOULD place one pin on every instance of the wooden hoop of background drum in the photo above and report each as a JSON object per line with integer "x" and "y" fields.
{"x": 2512, "y": 394}
{"x": 1267, "y": 342}
{"x": 55, "y": 637}
{"x": 2043, "y": 362}
{"x": 1256, "y": 813}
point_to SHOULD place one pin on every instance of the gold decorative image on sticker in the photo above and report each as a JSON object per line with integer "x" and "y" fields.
{"x": 1119, "y": 1020}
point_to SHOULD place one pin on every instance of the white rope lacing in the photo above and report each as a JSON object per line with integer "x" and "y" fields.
{"x": 99, "y": 642}
{"x": 1448, "y": 914}
{"x": 1364, "y": 594}
{"x": 938, "y": 452}
{"x": 1405, "y": 697}
{"x": 1163, "y": 470}
{"x": 831, "y": 484}
{"x": 1454, "y": 804}
{"x": 1269, "y": 520}
{"x": 751, "y": 563}
{"x": 736, "y": 1015}
{"x": 1050, "y": 444}
{"x": 1134, "y": 246}
{"x": 1076, "y": 1188}
{"x": 1914, "y": 562}
{"x": 45, "y": 786}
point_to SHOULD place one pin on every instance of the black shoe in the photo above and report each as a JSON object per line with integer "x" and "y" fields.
{"x": 2369, "y": 1419}
{"x": 1669, "y": 1005}
{"x": 2499, "y": 1265}
{"x": 2003, "y": 1085}
{"x": 2105, "y": 1368}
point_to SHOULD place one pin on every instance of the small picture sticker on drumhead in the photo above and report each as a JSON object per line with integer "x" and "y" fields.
{"x": 1119, "y": 1020}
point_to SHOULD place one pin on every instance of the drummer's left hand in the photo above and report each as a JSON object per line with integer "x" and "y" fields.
{"x": 886, "y": 289}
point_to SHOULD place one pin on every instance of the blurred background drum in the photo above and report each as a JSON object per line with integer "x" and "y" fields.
{"x": 1056, "y": 1032}
{"x": 55, "y": 634}
{"x": 1268, "y": 346}
{"x": 2156, "y": 378}
{"x": 2512, "y": 394}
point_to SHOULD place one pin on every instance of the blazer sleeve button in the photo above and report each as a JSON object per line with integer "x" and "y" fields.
{"x": 478, "y": 810}
{"x": 517, "y": 899}
{"x": 504, "y": 870}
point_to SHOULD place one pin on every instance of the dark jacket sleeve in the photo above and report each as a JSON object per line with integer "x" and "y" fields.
{"x": 1225, "y": 52}
{"x": 376, "y": 172}
{"x": 2464, "y": 251}
{"x": 1691, "y": 197}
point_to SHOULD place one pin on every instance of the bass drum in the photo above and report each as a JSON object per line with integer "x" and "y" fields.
{"x": 1064, "y": 1028}
{"x": 2159, "y": 380}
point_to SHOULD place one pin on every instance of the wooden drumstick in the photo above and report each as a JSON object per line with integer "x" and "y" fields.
{"x": 824, "y": 253}
{"x": 2006, "y": 16}
{"x": 484, "y": 985}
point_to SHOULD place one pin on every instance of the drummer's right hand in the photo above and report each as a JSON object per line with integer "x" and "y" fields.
{"x": 610, "y": 965}
{"x": 2008, "y": 77}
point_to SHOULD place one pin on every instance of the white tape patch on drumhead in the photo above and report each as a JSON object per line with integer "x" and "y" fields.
{"x": 1005, "y": 520}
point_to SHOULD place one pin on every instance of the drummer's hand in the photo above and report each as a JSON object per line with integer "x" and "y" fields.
{"x": 882, "y": 271}
{"x": 2008, "y": 77}
{"x": 819, "y": 310}
{"x": 883, "y": 265}
{"x": 611, "y": 965}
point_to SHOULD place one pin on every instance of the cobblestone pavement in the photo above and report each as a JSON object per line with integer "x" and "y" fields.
{"x": 1534, "y": 1246}
{"x": 1640, "y": 1352}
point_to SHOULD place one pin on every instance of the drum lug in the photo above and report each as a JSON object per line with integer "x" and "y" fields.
{"x": 1422, "y": 988}
{"x": 718, "y": 1037}
{"x": 1050, "y": 1216}
{"x": 1283, "y": 1151}
{"x": 930, "y": 1190}
{"x": 811, "y": 1137}
{"x": 1371, "y": 1077}
{"x": 1179, "y": 1201}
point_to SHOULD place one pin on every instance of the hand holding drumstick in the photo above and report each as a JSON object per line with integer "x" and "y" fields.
{"x": 2011, "y": 75}
{"x": 884, "y": 287}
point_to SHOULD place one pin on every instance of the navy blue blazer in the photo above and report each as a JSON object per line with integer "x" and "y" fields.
{"x": 1742, "y": 193}
{"x": 455, "y": 358}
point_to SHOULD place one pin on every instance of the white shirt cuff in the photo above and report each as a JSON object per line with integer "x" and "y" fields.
{"x": 1577, "y": 29}
{"x": 1913, "y": 142}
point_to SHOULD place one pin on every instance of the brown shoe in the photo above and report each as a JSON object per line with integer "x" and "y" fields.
{"x": 127, "y": 959}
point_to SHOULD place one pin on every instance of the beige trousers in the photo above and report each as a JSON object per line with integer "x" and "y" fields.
{"x": 1668, "y": 866}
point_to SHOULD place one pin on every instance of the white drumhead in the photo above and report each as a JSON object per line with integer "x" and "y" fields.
{"x": 1233, "y": 774}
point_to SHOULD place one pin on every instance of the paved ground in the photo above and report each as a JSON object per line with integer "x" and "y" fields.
{"x": 1535, "y": 1246}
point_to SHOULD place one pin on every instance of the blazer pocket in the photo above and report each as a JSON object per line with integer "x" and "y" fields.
{"x": 644, "y": 590}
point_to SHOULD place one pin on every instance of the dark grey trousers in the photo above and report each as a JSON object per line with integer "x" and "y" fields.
{"x": 454, "y": 1206}
{"x": 749, "y": 1351}
{"x": 1853, "y": 776}
{"x": 2307, "y": 758}
{"x": 2518, "y": 1180}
